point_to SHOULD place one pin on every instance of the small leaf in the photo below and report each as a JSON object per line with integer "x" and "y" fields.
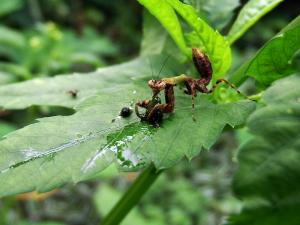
{"x": 272, "y": 61}
{"x": 270, "y": 162}
{"x": 249, "y": 15}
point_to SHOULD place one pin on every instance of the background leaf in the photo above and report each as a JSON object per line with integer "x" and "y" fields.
{"x": 54, "y": 91}
{"x": 154, "y": 35}
{"x": 8, "y": 6}
{"x": 216, "y": 13}
{"x": 167, "y": 17}
{"x": 271, "y": 159}
{"x": 249, "y": 15}
{"x": 273, "y": 60}
{"x": 210, "y": 41}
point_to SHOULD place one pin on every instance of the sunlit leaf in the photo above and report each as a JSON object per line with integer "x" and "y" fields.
{"x": 249, "y": 15}
{"x": 269, "y": 163}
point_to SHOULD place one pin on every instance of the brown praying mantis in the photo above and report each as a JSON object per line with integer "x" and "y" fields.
{"x": 155, "y": 109}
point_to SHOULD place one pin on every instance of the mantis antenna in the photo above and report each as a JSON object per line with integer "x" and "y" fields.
{"x": 163, "y": 65}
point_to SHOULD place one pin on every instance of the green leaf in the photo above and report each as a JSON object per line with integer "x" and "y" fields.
{"x": 11, "y": 43}
{"x": 249, "y": 15}
{"x": 9, "y": 6}
{"x": 54, "y": 91}
{"x": 61, "y": 149}
{"x": 272, "y": 61}
{"x": 154, "y": 35}
{"x": 267, "y": 179}
{"x": 217, "y": 13}
{"x": 179, "y": 136}
{"x": 167, "y": 17}
{"x": 210, "y": 41}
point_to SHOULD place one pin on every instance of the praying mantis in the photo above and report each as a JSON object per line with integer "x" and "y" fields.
{"x": 154, "y": 109}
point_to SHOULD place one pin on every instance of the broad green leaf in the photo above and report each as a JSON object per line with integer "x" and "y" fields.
{"x": 167, "y": 17}
{"x": 273, "y": 60}
{"x": 269, "y": 163}
{"x": 249, "y": 15}
{"x": 61, "y": 149}
{"x": 179, "y": 136}
{"x": 210, "y": 41}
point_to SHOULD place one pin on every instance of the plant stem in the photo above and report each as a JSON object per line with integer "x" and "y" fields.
{"x": 132, "y": 196}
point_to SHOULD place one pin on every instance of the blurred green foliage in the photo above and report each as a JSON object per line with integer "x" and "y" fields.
{"x": 47, "y": 50}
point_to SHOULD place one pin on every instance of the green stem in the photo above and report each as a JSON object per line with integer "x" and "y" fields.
{"x": 132, "y": 196}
